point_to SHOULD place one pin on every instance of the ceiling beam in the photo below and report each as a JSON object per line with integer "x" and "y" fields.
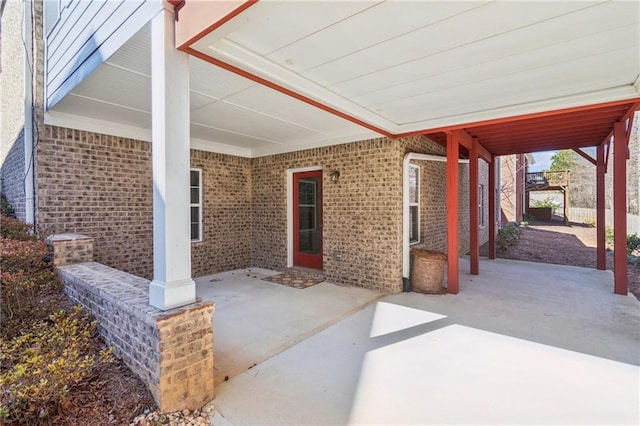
{"x": 467, "y": 141}
{"x": 585, "y": 156}
{"x": 628, "y": 115}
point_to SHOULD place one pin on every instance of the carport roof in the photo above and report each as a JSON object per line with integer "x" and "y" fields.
{"x": 532, "y": 77}
{"x": 570, "y": 128}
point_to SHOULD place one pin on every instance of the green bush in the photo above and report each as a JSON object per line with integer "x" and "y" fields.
{"x": 507, "y": 237}
{"x": 43, "y": 364}
{"x": 5, "y": 208}
{"x": 633, "y": 241}
{"x": 548, "y": 203}
{"x": 633, "y": 244}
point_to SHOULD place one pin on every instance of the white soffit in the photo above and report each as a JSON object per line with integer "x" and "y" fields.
{"x": 229, "y": 114}
{"x": 404, "y": 66}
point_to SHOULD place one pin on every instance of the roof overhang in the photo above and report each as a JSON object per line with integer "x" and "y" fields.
{"x": 277, "y": 76}
{"x": 538, "y": 76}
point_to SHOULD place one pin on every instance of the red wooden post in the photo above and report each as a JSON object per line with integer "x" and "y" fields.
{"x": 620, "y": 208}
{"x": 601, "y": 257}
{"x": 452, "y": 212}
{"x": 492, "y": 207}
{"x": 474, "y": 248}
{"x": 519, "y": 201}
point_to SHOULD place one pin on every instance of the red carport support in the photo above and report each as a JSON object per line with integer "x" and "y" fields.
{"x": 620, "y": 148}
{"x": 520, "y": 176}
{"x": 452, "y": 211}
{"x": 492, "y": 208}
{"x": 474, "y": 248}
{"x": 601, "y": 257}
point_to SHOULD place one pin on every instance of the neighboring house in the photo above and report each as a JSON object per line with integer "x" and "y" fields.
{"x": 270, "y": 141}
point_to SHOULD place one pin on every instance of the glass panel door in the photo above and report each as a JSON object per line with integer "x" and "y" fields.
{"x": 307, "y": 210}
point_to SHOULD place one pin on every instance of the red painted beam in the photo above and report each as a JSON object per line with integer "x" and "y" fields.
{"x": 452, "y": 212}
{"x": 620, "y": 138}
{"x": 629, "y": 114}
{"x": 607, "y": 147}
{"x": 586, "y": 156}
{"x": 520, "y": 174}
{"x": 524, "y": 117}
{"x": 474, "y": 248}
{"x": 601, "y": 256}
{"x": 466, "y": 140}
{"x": 492, "y": 208}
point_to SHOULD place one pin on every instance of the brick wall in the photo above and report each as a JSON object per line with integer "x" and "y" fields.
{"x": 433, "y": 219}
{"x": 362, "y": 212}
{"x": 12, "y": 175}
{"x": 171, "y": 351}
{"x": 71, "y": 248}
{"x": 12, "y": 84}
{"x": 101, "y": 186}
{"x": 226, "y": 192}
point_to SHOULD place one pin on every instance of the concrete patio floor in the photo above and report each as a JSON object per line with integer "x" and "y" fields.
{"x": 255, "y": 319}
{"x": 523, "y": 343}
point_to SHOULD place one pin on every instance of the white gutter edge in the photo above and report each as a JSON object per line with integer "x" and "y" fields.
{"x": 406, "y": 269}
{"x": 29, "y": 160}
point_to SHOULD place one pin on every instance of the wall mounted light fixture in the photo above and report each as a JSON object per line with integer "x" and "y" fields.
{"x": 335, "y": 176}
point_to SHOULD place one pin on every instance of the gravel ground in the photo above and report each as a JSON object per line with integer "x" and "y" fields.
{"x": 179, "y": 418}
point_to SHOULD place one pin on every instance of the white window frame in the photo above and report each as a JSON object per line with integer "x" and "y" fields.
{"x": 481, "y": 219}
{"x": 199, "y": 204}
{"x": 417, "y": 204}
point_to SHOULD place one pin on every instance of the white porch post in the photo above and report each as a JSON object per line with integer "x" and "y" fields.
{"x": 172, "y": 285}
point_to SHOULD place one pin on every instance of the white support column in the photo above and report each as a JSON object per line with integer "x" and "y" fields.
{"x": 172, "y": 285}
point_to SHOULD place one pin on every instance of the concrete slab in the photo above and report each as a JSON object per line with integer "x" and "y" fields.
{"x": 255, "y": 320}
{"x": 522, "y": 343}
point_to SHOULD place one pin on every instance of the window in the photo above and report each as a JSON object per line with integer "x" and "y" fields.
{"x": 481, "y": 205}
{"x": 414, "y": 203}
{"x": 196, "y": 204}
{"x": 307, "y": 198}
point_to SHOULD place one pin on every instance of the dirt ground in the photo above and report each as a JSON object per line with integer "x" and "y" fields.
{"x": 113, "y": 397}
{"x": 554, "y": 242}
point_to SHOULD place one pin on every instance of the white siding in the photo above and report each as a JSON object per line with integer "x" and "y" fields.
{"x": 82, "y": 34}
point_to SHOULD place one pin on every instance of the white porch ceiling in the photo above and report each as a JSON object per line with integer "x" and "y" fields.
{"x": 400, "y": 66}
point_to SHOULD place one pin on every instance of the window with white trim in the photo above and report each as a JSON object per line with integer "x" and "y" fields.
{"x": 414, "y": 203}
{"x": 196, "y": 204}
{"x": 481, "y": 205}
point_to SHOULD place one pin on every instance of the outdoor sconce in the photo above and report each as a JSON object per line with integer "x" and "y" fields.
{"x": 335, "y": 175}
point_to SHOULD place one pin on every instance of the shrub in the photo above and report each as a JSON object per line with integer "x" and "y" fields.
{"x": 5, "y": 208}
{"x": 45, "y": 363}
{"x": 633, "y": 241}
{"x": 15, "y": 229}
{"x": 508, "y": 236}
{"x": 24, "y": 256}
{"x": 25, "y": 298}
{"x": 548, "y": 203}
{"x": 633, "y": 244}
{"x": 608, "y": 236}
